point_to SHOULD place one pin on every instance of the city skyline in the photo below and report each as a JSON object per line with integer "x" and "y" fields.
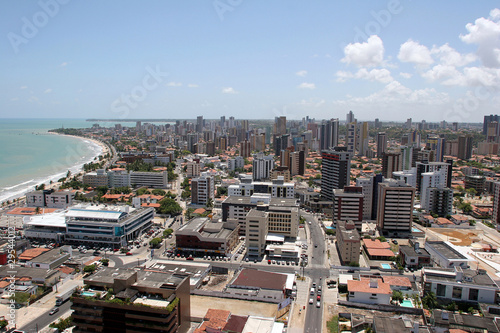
{"x": 251, "y": 60}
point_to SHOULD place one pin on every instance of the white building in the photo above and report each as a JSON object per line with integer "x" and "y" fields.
{"x": 236, "y": 163}
{"x": 193, "y": 169}
{"x": 262, "y": 166}
{"x": 202, "y": 189}
{"x": 446, "y": 255}
{"x": 278, "y": 188}
{"x": 432, "y": 179}
{"x": 367, "y": 185}
{"x": 149, "y": 179}
{"x": 371, "y": 291}
{"x": 118, "y": 178}
{"x": 457, "y": 284}
{"x": 50, "y": 198}
{"x": 409, "y": 176}
{"x": 96, "y": 178}
{"x": 256, "y": 232}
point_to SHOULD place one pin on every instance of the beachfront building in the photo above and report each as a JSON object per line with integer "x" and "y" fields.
{"x": 96, "y": 178}
{"x": 149, "y": 179}
{"x": 50, "y": 198}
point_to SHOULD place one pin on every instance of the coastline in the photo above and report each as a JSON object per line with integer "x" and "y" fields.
{"x": 98, "y": 146}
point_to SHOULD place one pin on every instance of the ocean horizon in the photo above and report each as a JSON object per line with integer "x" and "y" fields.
{"x": 30, "y": 155}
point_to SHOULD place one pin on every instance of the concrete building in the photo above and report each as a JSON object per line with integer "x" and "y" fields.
{"x": 496, "y": 203}
{"x": 202, "y": 189}
{"x": 370, "y": 195}
{"x": 438, "y": 200}
{"x": 425, "y": 167}
{"x": 348, "y": 205}
{"x": 262, "y": 166}
{"x": 465, "y": 147}
{"x": 236, "y": 163}
{"x": 96, "y": 178}
{"x": 149, "y": 179}
{"x": 118, "y": 178}
{"x": 371, "y": 291}
{"x": 348, "y": 242}
{"x": 193, "y": 169}
{"x": 434, "y": 179}
{"x": 245, "y": 149}
{"x": 409, "y": 176}
{"x": 146, "y": 301}
{"x": 329, "y": 134}
{"x": 283, "y": 213}
{"x": 50, "y": 198}
{"x": 413, "y": 256}
{"x": 475, "y": 182}
{"x": 256, "y": 232}
{"x": 391, "y": 161}
{"x": 381, "y": 144}
{"x": 460, "y": 285}
{"x": 395, "y": 206}
{"x": 48, "y": 260}
{"x": 278, "y": 188}
{"x": 335, "y": 171}
{"x": 446, "y": 255}
{"x": 201, "y": 236}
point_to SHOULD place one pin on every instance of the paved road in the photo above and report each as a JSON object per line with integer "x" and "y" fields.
{"x": 45, "y": 319}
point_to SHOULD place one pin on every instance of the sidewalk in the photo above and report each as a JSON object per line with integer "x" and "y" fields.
{"x": 297, "y": 312}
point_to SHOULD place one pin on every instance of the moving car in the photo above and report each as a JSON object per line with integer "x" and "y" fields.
{"x": 311, "y": 301}
{"x": 54, "y": 311}
{"x": 318, "y": 304}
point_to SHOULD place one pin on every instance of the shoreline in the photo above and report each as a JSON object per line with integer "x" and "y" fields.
{"x": 76, "y": 169}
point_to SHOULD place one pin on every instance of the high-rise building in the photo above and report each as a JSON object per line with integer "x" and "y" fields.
{"x": 202, "y": 189}
{"x": 437, "y": 144}
{"x": 408, "y": 123}
{"x": 236, "y": 163}
{"x": 362, "y": 138}
{"x": 351, "y": 137}
{"x": 438, "y": 200}
{"x": 487, "y": 120}
{"x": 493, "y": 132}
{"x": 432, "y": 179}
{"x": 425, "y": 166}
{"x": 369, "y": 187}
{"x": 335, "y": 171}
{"x": 138, "y": 127}
{"x": 391, "y": 161}
{"x": 199, "y": 124}
{"x": 256, "y": 233}
{"x": 222, "y": 122}
{"x": 262, "y": 166}
{"x": 381, "y": 143}
{"x": 378, "y": 124}
{"x": 329, "y": 133}
{"x": 395, "y": 206}
{"x": 192, "y": 139}
{"x": 348, "y": 205}
{"x": 465, "y": 147}
{"x": 496, "y": 203}
{"x": 245, "y": 149}
{"x": 406, "y": 157}
{"x": 350, "y": 118}
{"x": 280, "y": 125}
{"x": 210, "y": 148}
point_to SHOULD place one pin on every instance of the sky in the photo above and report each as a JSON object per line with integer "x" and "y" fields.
{"x": 258, "y": 59}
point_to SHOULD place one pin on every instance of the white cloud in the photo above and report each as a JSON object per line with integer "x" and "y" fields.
{"x": 307, "y": 85}
{"x": 440, "y": 72}
{"x": 448, "y": 56}
{"x": 413, "y": 52}
{"x": 64, "y": 64}
{"x": 315, "y": 103}
{"x": 174, "y": 84}
{"x": 485, "y": 32}
{"x": 381, "y": 75}
{"x": 301, "y": 73}
{"x": 366, "y": 54}
{"x": 229, "y": 90}
{"x": 23, "y": 87}
{"x": 192, "y": 85}
{"x": 405, "y": 75}
{"x": 48, "y": 91}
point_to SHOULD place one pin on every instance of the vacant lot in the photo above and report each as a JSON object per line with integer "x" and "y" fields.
{"x": 459, "y": 237}
{"x": 200, "y": 305}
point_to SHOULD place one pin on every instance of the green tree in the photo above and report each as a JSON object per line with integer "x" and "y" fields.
{"x": 471, "y": 191}
{"x": 221, "y": 191}
{"x": 397, "y": 296}
{"x": 210, "y": 203}
{"x": 155, "y": 242}
{"x": 159, "y": 192}
{"x": 3, "y": 323}
{"x": 430, "y": 301}
{"x": 185, "y": 194}
{"x": 90, "y": 268}
{"x": 381, "y": 238}
{"x": 142, "y": 191}
{"x": 62, "y": 324}
{"x": 169, "y": 206}
{"x": 20, "y": 297}
{"x": 167, "y": 232}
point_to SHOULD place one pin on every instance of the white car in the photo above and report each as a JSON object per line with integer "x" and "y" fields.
{"x": 318, "y": 304}
{"x": 311, "y": 301}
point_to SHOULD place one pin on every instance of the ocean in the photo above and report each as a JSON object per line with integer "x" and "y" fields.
{"x": 30, "y": 156}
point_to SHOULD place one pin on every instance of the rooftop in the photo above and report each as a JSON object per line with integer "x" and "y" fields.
{"x": 260, "y": 279}
{"x": 364, "y": 287}
{"x": 444, "y": 249}
{"x": 29, "y": 254}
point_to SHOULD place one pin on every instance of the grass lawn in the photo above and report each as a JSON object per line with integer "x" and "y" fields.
{"x": 333, "y": 324}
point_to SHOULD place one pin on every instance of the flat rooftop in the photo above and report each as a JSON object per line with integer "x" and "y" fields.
{"x": 447, "y": 251}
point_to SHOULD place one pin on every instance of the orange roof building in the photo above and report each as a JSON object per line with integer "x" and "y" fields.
{"x": 369, "y": 291}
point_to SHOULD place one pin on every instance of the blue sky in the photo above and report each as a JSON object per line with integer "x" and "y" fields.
{"x": 250, "y": 59}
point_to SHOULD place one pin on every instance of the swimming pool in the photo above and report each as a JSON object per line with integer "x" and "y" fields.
{"x": 88, "y": 293}
{"x": 407, "y": 303}
{"x": 385, "y": 266}
{"x": 413, "y": 229}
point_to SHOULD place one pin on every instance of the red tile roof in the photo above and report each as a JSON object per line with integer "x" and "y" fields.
{"x": 363, "y": 286}
{"x": 400, "y": 281}
{"x": 376, "y": 244}
{"x": 30, "y": 254}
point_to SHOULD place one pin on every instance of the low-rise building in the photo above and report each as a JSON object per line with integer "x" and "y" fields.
{"x": 457, "y": 284}
{"x": 377, "y": 250}
{"x": 48, "y": 260}
{"x": 201, "y": 236}
{"x": 445, "y": 254}
{"x": 96, "y": 178}
{"x": 50, "y": 198}
{"x": 413, "y": 256}
{"x": 369, "y": 291}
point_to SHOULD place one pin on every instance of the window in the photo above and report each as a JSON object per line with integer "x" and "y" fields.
{"x": 440, "y": 290}
{"x": 457, "y": 292}
{"x": 473, "y": 294}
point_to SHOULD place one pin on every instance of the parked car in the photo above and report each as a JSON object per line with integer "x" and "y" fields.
{"x": 129, "y": 253}
{"x": 54, "y": 311}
